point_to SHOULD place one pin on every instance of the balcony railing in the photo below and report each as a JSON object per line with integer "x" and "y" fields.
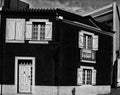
{"x": 87, "y": 55}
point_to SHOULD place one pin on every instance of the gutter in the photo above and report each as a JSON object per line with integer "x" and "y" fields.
{"x": 97, "y": 30}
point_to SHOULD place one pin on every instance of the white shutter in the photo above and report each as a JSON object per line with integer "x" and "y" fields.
{"x": 79, "y": 76}
{"x": 93, "y": 77}
{"x": 28, "y": 30}
{"x": 10, "y": 29}
{"x": 95, "y": 42}
{"x": 81, "y": 44}
{"x": 48, "y": 31}
{"x": 20, "y": 29}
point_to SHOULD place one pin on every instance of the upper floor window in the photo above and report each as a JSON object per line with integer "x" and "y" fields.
{"x": 88, "y": 40}
{"x": 19, "y": 30}
{"x": 38, "y": 31}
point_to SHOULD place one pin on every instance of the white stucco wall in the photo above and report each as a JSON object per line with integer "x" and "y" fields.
{"x": 62, "y": 90}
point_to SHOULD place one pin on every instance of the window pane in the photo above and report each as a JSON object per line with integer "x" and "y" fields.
{"x": 35, "y": 32}
{"x": 87, "y": 40}
{"x": 87, "y": 76}
{"x": 42, "y": 32}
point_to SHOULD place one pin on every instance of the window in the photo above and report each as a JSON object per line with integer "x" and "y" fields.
{"x": 15, "y": 29}
{"x": 88, "y": 44}
{"x": 34, "y": 30}
{"x": 86, "y": 76}
{"x": 38, "y": 32}
{"x": 88, "y": 41}
{"x": 87, "y": 56}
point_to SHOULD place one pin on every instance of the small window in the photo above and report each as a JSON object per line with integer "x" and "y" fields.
{"x": 87, "y": 40}
{"x": 38, "y": 31}
{"x": 86, "y": 76}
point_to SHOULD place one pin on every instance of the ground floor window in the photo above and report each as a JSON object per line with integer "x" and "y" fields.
{"x": 86, "y": 76}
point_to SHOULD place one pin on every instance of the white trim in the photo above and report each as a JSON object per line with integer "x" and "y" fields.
{"x": 88, "y": 61}
{"x": 38, "y": 42}
{"x": 87, "y": 67}
{"x": 14, "y": 41}
{"x": 88, "y": 33}
{"x": 39, "y": 20}
{"x": 16, "y": 70}
{"x": 0, "y": 8}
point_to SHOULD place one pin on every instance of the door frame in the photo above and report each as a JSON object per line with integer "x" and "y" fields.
{"x": 16, "y": 71}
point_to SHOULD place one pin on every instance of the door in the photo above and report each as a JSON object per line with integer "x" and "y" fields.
{"x": 25, "y": 76}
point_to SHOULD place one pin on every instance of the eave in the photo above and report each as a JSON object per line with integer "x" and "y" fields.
{"x": 94, "y": 29}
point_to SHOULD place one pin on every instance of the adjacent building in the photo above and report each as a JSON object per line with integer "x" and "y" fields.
{"x": 52, "y": 51}
{"x": 110, "y": 15}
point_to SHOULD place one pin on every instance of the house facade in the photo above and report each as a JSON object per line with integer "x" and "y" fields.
{"x": 110, "y": 15}
{"x": 52, "y": 51}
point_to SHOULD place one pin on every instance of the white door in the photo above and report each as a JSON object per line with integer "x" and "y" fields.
{"x": 25, "y": 77}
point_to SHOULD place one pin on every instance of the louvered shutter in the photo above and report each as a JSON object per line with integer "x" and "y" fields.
{"x": 48, "y": 31}
{"x": 20, "y": 29}
{"x": 28, "y": 30}
{"x": 79, "y": 77}
{"x": 81, "y": 44}
{"x": 95, "y": 42}
{"x": 10, "y": 29}
{"x": 93, "y": 77}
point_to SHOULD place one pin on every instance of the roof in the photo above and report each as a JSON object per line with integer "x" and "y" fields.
{"x": 88, "y": 20}
{"x": 101, "y": 11}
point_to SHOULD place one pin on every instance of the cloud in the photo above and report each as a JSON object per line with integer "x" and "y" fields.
{"x": 77, "y": 6}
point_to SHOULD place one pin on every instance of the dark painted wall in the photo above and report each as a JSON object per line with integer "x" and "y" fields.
{"x": 45, "y": 54}
{"x": 68, "y": 54}
{"x": 57, "y": 62}
{"x": 104, "y": 60}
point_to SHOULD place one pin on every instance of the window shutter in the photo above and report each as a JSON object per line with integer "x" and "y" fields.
{"x": 28, "y": 30}
{"x": 20, "y": 29}
{"x": 81, "y": 44}
{"x": 79, "y": 77}
{"x": 48, "y": 31}
{"x": 95, "y": 42}
{"x": 93, "y": 77}
{"x": 10, "y": 29}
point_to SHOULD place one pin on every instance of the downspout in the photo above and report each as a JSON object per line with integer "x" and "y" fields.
{"x": 1, "y": 49}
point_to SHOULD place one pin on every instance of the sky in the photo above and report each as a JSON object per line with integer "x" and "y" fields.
{"x": 78, "y": 6}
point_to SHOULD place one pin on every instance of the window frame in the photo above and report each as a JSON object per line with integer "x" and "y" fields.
{"x": 39, "y": 21}
{"x": 80, "y": 77}
{"x": 88, "y": 34}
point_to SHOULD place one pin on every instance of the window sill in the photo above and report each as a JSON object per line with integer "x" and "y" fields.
{"x": 38, "y": 42}
{"x": 88, "y": 61}
{"x": 15, "y": 41}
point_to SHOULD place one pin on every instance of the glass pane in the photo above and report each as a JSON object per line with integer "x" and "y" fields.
{"x": 35, "y": 32}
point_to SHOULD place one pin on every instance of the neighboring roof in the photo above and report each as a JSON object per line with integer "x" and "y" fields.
{"x": 88, "y": 20}
{"x": 101, "y": 11}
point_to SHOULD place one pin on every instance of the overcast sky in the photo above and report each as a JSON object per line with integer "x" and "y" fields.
{"x": 81, "y": 6}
